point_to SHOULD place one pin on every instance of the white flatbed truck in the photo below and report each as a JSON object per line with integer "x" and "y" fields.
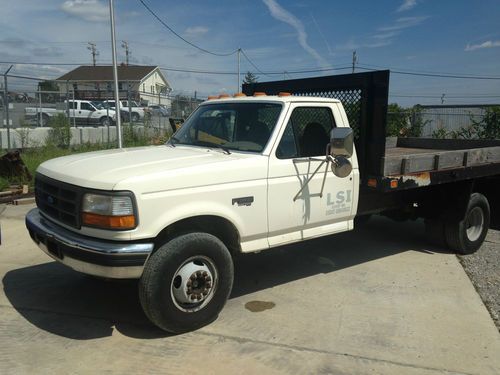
{"x": 244, "y": 174}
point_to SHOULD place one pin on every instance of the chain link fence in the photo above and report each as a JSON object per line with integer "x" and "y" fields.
{"x": 29, "y": 108}
{"x": 444, "y": 121}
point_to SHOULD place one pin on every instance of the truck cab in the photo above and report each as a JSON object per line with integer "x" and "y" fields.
{"x": 246, "y": 173}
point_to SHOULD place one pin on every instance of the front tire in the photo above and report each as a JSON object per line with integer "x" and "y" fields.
{"x": 467, "y": 235}
{"x": 186, "y": 282}
{"x": 105, "y": 121}
{"x": 135, "y": 117}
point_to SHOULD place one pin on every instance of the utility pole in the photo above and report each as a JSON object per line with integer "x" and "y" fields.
{"x": 239, "y": 51}
{"x": 442, "y": 98}
{"x": 115, "y": 75}
{"x": 6, "y": 104}
{"x": 93, "y": 50}
{"x": 354, "y": 60}
{"x": 127, "y": 51}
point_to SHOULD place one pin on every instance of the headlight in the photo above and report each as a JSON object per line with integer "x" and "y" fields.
{"x": 108, "y": 211}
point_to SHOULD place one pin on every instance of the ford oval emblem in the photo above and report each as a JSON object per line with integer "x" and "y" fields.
{"x": 50, "y": 199}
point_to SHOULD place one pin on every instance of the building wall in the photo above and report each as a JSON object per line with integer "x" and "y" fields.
{"x": 153, "y": 90}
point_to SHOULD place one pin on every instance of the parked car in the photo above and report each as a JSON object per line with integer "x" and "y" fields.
{"x": 84, "y": 112}
{"x": 135, "y": 110}
{"x": 158, "y": 110}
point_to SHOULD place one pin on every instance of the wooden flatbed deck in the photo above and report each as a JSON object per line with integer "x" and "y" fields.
{"x": 416, "y": 155}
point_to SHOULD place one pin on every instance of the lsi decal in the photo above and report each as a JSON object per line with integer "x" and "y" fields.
{"x": 340, "y": 204}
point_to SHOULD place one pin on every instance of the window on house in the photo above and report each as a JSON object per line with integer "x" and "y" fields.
{"x": 120, "y": 86}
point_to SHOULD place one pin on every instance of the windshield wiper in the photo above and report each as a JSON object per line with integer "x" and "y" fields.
{"x": 173, "y": 140}
{"x": 216, "y": 145}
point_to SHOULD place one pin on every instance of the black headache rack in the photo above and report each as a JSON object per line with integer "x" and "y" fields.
{"x": 392, "y": 164}
{"x": 364, "y": 97}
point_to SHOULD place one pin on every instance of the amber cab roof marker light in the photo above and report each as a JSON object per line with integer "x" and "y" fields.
{"x": 239, "y": 95}
{"x": 212, "y": 97}
{"x": 259, "y": 93}
{"x": 284, "y": 94}
{"x": 223, "y": 96}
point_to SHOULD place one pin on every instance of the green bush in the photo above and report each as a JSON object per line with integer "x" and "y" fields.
{"x": 404, "y": 122}
{"x": 60, "y": 132}
{"x": 4, "y": 183}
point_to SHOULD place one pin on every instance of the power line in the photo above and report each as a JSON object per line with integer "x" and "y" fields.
{"x": 436, "y": 75}
{"x": 447, "y": 96}
{"x": 182, "y": 38}
{"x": 298, "y": 71}
{"x": 422, "y": 71}
{"x": 251, "y": 63}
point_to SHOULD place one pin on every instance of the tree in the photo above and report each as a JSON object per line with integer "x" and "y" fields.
{"x": 404, "y": 122}
{"x": 250, "y": 78}
{"x": 51, "y": 88}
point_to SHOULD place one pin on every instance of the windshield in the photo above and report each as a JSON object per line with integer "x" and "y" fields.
{"x": 235, "y": 126}
{"x": 98, "y": 105}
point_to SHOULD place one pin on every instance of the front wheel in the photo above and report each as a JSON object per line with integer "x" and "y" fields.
{"x": 135, "y": 117}
{"x": 105, "y": 121}
{"x": 466, "y": 236}
{"x": 186, "y": 282}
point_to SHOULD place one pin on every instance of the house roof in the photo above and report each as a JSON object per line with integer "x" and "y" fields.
{"x": 103, "y": 73}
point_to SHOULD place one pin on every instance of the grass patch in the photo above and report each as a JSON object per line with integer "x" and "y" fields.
{"x": 33, "y": 157}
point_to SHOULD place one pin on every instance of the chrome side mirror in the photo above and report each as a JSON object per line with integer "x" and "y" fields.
{"x": 341, "y": 166}
{"x": 341, "y": 142}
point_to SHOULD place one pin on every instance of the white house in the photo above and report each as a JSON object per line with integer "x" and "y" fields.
{"x": 141, "y": 83}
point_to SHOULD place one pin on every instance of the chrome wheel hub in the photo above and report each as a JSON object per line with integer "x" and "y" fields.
{"x": 193, "y": 284}
{"x": 474, "y": 224}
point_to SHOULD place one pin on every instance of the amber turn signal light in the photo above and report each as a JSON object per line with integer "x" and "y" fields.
{"x": 109, "y": 222}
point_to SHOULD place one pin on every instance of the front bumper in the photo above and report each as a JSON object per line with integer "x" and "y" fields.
{"x": 109, "y": 259}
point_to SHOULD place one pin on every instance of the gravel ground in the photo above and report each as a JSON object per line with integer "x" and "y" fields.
{"x": 483, "y": 269}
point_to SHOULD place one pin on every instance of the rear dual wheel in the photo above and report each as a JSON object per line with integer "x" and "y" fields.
{"x": 465, "y": 235}
{"x": 186, "y": 282}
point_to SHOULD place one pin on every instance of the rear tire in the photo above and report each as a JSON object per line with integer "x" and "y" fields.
{"x": 186, "y": 282}
{"x": 466, "y": 236}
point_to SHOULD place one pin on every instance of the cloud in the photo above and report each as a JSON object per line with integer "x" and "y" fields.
{"x": 89, "y": 10}
{"x": 407, "y": 5}
{"x": 404, "y": 23}
{"x": 488, "y": 44}
{"x": 196, "y": 31}
{"x": 283, "y": 15}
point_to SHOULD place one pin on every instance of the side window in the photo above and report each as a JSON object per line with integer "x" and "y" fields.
{"x": 307, "y": 133}
{"x": 86, "y": 107}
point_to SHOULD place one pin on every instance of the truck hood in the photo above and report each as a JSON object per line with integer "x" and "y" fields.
{"x": 145, "y": 169}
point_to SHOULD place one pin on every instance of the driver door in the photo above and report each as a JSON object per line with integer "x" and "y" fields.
{"x": 85, "y": 113}
{"x": 302, "y": 147}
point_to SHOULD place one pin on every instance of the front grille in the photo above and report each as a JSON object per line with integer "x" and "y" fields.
{"x": 58, "y": 200}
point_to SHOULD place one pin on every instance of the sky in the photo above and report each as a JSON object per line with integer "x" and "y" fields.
{"x": 457, "y": 37}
